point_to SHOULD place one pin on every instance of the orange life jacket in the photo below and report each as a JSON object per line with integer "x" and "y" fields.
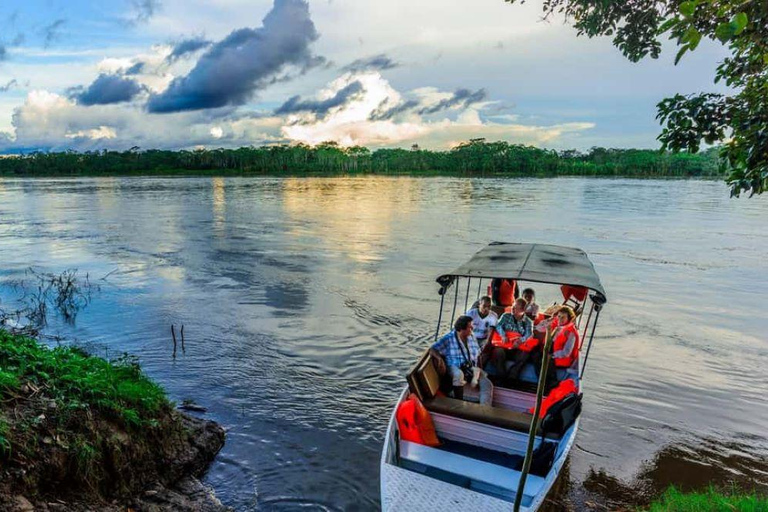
{"x": 502, "y": 291}
{"x": 415, "y": 423}
{"x": 512, "y": 338}
{"x": 577, "y": 292}
{"x": 559, "y": 343}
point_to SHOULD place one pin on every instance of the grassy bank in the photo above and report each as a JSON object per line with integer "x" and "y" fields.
{"x": 709, "y": 501}
{"x": 78, "y": 427}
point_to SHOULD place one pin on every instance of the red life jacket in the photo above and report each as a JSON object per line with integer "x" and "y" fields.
{"x": 502, "y": 291}
{"x": 415, "y": 423}
{"x": 562, "y": 390}
{"x": 559, "y": 343}
{"x": 511, "y": 338}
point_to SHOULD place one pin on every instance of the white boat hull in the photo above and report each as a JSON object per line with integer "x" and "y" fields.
{"x": 403, "y": 490}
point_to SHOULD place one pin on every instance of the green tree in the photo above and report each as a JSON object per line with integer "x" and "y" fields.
{"x": 739, "y": 119}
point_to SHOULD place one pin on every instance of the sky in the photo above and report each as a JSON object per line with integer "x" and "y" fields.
{"x": 183, "y": 74}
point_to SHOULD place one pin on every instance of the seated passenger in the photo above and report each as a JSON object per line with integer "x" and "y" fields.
{"x": 483, "y": 319}
{"x": 532, "y": 309}
{"x": 565, "y": 345}
{"x": 458, "y": 351}
{"x": 521, "y": 328}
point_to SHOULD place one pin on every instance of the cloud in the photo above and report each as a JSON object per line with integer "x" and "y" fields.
{"x": 462, "y": 98}
{"x": 143, "y": 10}
{"x": 187, "y": 46}
{"x": 3, "y": 53}
{"x": 51, "y": 33}
{"x": 383, "y": 112}
{"x": 108, "y": 89}
{"x": 378, "y": 62}
{"x": 344, "y": 111}
{"x": 369, "y": 120}
{"x": 321, "y": 107}
{"x": 10, "y": 85}
{"x": 49, "y": 121}
{"x": 245, "y": 61}
{"x": 135, "y": 69}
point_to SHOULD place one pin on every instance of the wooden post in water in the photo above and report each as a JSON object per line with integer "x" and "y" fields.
{"x": 173, "y": 333}
{"x": 534, "y": 420}
{"x": 183, "y": 348}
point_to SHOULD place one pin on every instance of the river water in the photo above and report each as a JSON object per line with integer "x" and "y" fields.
{"x": 304, "y": 302}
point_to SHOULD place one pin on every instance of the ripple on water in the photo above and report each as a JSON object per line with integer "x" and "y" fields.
{"x": 306, "y": 301}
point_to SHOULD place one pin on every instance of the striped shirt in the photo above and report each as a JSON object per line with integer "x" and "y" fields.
{"x": 448, "y": 347}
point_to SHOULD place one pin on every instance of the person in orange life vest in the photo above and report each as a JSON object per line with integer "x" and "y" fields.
{"x": 515, "y": 322}
{"x": 565, "y": 345}
{"x": 457, "y": 354}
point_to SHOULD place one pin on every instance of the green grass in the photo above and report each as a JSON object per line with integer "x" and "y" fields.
{"x": 711, "y": 500}
{"x": 5, "y": 444}
{"x": 76, "y": 380}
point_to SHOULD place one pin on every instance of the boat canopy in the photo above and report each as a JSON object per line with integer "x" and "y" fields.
{"x": 539, "y": 263}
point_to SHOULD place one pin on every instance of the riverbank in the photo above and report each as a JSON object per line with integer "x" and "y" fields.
{"x": 78, "y": 432}
{"x": 710, "y": 500}
{"x": 473, "y": 158}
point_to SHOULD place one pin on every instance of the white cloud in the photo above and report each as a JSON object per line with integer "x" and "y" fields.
{"x": 102, "y": 132}
{"x": 350, "y": 123}
{"x": 50, "y": 120}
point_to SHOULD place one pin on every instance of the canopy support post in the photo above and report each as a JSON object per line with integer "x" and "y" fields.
{"x": 586, "y": 325}
{"x": 479, "y": 287}
{"x": 440, "y": 316}
{"x": 597, "y": 308}
{"x": 534, "y": 421}
{"x": 455, "y": 300}
{"x": 466, "y": 299}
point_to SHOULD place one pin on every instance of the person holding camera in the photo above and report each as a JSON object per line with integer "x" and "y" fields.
{"x": 459, "y": 352}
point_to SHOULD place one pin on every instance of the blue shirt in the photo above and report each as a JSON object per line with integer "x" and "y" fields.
{"x": 448, "y": 347}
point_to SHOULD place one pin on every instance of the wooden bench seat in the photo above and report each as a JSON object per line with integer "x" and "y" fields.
{"x": 513, "y": 420}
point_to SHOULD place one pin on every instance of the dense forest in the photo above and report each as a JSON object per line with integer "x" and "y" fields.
{"x": 476, "y": 157}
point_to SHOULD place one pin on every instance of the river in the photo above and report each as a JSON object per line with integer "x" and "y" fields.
{"x": 304, "y": 302}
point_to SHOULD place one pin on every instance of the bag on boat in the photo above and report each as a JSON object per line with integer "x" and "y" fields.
{"x": 542, "y": 459}
{"x": 562, "y": 415}
{"x": 415, "y": 423}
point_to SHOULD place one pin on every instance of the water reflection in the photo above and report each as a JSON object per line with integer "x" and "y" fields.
{"x": 306, "y": 301}
{"x": 689, "y": 467}
{"x": 219, "y": 202}
{"x": 355, "y": 216}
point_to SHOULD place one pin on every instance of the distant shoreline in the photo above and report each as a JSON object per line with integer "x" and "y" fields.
{"x": 475, "y": 158}
{"x": 188, "y": 173}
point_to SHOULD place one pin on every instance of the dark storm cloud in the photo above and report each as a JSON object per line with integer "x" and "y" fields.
{"x": 144, "y": 10}
{"x": 10, "y": 85}
{"x": 378, "y": 62}
{"x": 321, "y": 107}
{"x": 135, "y": 69}
{"x": 51, "y": 33}
{"x": 383, "y": 112}
{"x": 233, "y": 69}
{"x": 461, "y": 98}
{"x": 187, "y": 46}
{"x": 107, "y": 89}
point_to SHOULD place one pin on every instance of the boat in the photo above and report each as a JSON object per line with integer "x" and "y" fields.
{"x": 487, "y": 457}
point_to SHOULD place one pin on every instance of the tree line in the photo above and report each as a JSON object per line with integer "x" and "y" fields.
{"x": 476, "y": 157}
